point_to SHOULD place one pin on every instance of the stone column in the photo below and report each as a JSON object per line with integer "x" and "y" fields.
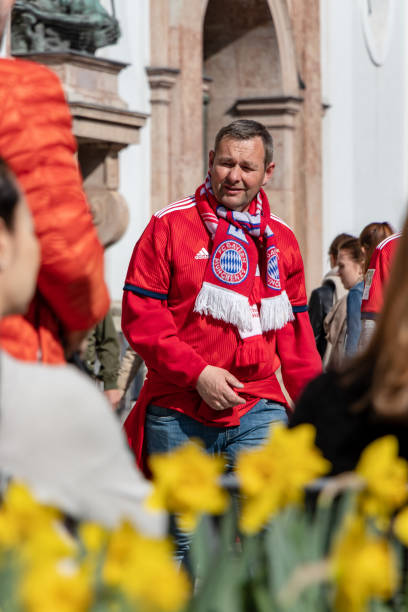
{"x": 305, "y": 20}
{"x": 161, "y": 81}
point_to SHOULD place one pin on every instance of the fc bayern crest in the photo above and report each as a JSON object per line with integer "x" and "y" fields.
{"x": 230, "y": 262}
{"x": 273, "y": 279}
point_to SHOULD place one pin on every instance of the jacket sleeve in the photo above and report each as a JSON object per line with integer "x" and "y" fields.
{"x": 295, "y": 342}
{"x": 37, "y": 142}
{"x": 107, "y": 350}
{"x": 353, "y": 321}
{"x": 316, "y": 316}
{"x": 147, "y": 321}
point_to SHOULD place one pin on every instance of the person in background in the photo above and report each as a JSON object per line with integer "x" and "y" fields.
{"x": 102, "y": 358}
{"x": 371, "y": 236}
{"x": 343, "y": 323}
{"x": 58, "y": 434}
{"x": 350, "y": 262}
{"x": 376, "y": 280}
{"x": 323, "y": 298}
{"x": 37, "y": 142}
{"x": 368, "y": 399}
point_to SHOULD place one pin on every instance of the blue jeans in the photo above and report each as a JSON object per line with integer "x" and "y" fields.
{"x": 167, "y": 429}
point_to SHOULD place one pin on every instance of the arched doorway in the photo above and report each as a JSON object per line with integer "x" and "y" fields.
{"x": 241, "y": 57}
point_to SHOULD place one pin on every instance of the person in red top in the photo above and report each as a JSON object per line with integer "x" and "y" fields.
{"x": 215, "y": 302}
{"x": 376, "y": 280}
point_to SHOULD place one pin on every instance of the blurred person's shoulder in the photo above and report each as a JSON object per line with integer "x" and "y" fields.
{"x": 14, "y": 65}
{"x": 50, "y": 388}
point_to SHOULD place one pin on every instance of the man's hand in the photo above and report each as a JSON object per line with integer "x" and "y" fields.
{"x": 114, "y": 396}
{"x": 215, "y": 387}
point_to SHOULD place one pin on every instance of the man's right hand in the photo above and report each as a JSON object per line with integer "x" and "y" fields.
{"x": 215, "y": 387}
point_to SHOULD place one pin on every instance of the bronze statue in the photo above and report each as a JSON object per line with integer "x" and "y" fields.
{"x": 61, "y": 25}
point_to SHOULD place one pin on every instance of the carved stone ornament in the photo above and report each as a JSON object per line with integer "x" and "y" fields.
{"x": 109, "y": 212}
{"x": 61, "y": 25}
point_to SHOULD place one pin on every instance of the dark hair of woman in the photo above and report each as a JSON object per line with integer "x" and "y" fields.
{"x": 335, "y": 245}
{"x": 371, "y": 236}
{"x": 381, "y": 371}
{"x": 9, "y": 194}
{"x": 353, "y": 247}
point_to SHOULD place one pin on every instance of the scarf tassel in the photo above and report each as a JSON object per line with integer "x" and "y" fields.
{"x": 276, "y": 312}
{"x": 223, "y": 304}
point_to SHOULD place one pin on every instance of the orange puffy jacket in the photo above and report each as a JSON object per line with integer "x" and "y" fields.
{"x": 37, "y": 142}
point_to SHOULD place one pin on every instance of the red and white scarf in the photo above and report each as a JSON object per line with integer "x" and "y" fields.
{"x": 234, "y": 263}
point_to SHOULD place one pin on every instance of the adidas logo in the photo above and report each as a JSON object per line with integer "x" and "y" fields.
{"x": 202, "y": 254}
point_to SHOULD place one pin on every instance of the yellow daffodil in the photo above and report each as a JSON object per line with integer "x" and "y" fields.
{"x": 144, "y": 570}
{"x": 385, "y": 475}
{"x": 186, "y": 483}
{"x": 401, "y": 526}
{"x": 49, "y": 543}
{"x": 52, "y": 587}
{"x": 275, "y": 474}
{"x": 22, "y": 517}
{"x": 94, "y": 537}
{"x": 363, "y": 567}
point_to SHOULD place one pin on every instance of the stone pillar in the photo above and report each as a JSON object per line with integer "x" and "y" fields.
{"x": 161, "y": 81}
{"x": 305, "y": 21}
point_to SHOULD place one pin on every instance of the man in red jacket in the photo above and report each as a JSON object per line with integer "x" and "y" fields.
{"x": 37, "y": 142}
{"x": 215, "y": 303}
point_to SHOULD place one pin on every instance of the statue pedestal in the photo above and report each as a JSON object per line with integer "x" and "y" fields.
{"x": 103, "y": 126}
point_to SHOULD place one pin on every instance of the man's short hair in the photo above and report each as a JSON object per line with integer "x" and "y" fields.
{"x": 245, "y": 129}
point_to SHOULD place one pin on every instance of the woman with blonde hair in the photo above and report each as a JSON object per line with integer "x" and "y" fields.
{"x": 368, "y": 399}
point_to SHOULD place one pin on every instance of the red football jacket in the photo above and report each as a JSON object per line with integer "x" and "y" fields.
{"x": 164, "y": 277}
{"x": 377, "y": 276}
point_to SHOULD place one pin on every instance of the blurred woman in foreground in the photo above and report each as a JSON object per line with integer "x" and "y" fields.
{"x": 368, "y": 399}
{"x": 57, "y": 433}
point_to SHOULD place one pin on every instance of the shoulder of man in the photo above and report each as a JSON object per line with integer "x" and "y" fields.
{"x": 175, "y": 210}
{"x": 283, "y": 231}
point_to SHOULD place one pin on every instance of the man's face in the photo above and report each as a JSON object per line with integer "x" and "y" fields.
{"x": 238, "y": 171}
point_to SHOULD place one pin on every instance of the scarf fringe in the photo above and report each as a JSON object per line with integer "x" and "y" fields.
{"x": 276, "y": 312}
{"x": 220, "y": 303}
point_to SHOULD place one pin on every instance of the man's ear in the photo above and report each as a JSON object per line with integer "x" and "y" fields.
{"x": 211, "y": 157}
{"x": 268, "y": 172}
